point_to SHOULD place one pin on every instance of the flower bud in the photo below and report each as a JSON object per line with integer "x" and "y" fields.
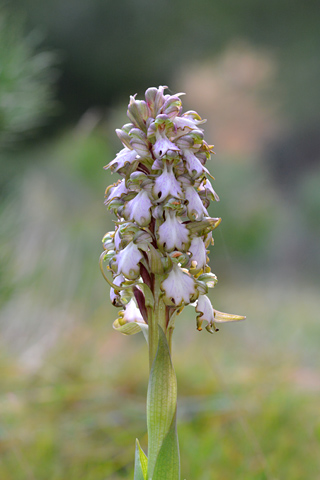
{"x": 138, "y": 112}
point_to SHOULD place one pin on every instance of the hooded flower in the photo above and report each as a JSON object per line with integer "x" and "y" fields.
{"x": 130, "y": 320}
{"x": 194, "y": 166}
{"x": 195, "y": 207}
{"x": 179, "y": 286}
{"x": 138, "y": 209}
{"x": 127, "y": 261}
{"x": 172, "y": 233}
{"x": 167, "y": 184}
{"x": 199, "y": 252}
{"x": 130, "y": 314}
{"x": 209, "y": 314}
{"x": 124, "y": 156}
{"x": 163, "y": 145}
{"x": 116, "y": 191}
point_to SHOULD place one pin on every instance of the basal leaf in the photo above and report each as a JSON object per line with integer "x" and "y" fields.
{"x": 168, "y": 460}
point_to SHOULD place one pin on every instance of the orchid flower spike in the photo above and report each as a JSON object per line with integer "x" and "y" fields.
{"x": 158, "y": 251}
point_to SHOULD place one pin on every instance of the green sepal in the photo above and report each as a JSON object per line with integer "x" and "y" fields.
{"x": 161, "y": 413}
{"x": 140, "y": 463}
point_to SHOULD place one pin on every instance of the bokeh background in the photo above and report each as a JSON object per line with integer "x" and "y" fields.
{"x": 72, "y": 391}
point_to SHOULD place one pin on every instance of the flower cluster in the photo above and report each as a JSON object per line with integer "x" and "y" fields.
{"x": 163, "y": 228}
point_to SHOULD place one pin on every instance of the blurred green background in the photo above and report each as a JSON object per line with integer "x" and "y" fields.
{"x": 72, "y": 392}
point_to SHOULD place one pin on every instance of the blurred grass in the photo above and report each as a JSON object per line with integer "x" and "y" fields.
{"x": 248, "y": 400}
{"x": 72, "y": 395}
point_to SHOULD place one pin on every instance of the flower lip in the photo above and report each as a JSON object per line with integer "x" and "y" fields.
{"x": 138, "y": 209}
{"x": 116, "y": 191}
{"x": 179, "y": 287}
{"x": 124, "y": 156}
{"x": 172, "y": 233}
{"x": 199, "y": 252}
{"x": 167, "y": 184}
{"x": 127, "y": 261}
{"x": 130, "y": 314}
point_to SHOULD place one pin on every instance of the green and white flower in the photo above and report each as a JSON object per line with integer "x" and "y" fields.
{"x": 157, "y": 254}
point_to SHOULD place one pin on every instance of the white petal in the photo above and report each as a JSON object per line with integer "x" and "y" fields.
{"x": 194, "y": 166}
{"x": 172, "y": 233}
{"x": 117, "y": 281}
{"x": 162, "y": 145}
{"x": 167, "y": 184}
{"x": 210, "y": 193}
{"x": 199, "y": 252}
{"x": 195, "y": 207}
{"x": 124, "y": 156}
{"x": 117, "y": 190}
{"x": 138, "y": 209}
{"x": 132, "y": 313}
{"x": 128, "y": 260}
{"x": 179, "y": 286}
{"x": 205, "y": 309}
{"x": 183, "y": 122}
{"x": 117, "y": 239}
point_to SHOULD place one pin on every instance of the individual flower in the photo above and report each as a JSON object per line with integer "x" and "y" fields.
{"x": 117, "y": 190}
{"x": 138, "y": 209}
{"x": 195, "y": 207}
{"x": 194, "y": 166}
{"x": 131, "y": 313}
{"x": 179, "y": 286}
{"x": 167, "y": 184}
{"x": 211, "y": 316}
{"x": 199, "y": 252}
{"x": 127, "y": 261}
{"x": 123, "y": 157}
{"x": 172, "y": 233}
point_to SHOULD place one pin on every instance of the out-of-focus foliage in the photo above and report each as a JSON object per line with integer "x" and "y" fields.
{"x": 72, "y": 393}
{"x": 115, "y": 48}
{"x": 248, "y": 397}
{"x": 27, "y": 77}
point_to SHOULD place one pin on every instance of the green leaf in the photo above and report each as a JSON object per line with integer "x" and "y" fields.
{"x": 140, "y": 464}
{"x": 161, "y": 414}
{"x": 168, "y": 460}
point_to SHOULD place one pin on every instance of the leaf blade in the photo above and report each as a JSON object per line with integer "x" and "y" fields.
{"x": 140, "y": 464}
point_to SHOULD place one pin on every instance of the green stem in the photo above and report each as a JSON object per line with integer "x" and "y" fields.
{"x": 157, "y": 318}
{"x": 163, "y": 445}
